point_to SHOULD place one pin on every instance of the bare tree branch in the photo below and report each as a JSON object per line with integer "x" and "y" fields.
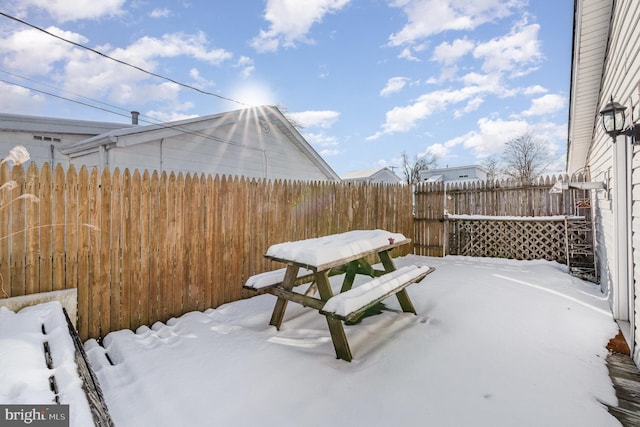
{"x": 411, "y": 170}
{"x": 525, "y": 158}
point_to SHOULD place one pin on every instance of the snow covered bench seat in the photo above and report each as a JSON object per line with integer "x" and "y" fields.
{"x": 269, "y": 279}
{"x": 352, "y": 304}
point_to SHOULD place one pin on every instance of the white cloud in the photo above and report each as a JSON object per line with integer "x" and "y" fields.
{"x": 323, "y": 119}
{"x": 488, "y": 139}
{"x": 407, "y": 54}
{"x": 438, "y": 151}
{"x": 405, "y": 118}
{"x": 19, "y": 100}
{"x": 394, "y": 85}
{"x": 171, "y": 46}
{"x": 290, "y": 21}
{"x": 449, "y": 53}
{"x": 428, "y": 17}
{"x": 516, "y": 52}
{"x": 535, "y": 90}
{"x": 33, "y": 52}
{"x": 492, "y": 134}
{"x": 160, "y": 13}
{"x": 246, "y": 65}
{"x": 472, "y": 105}
{"x": 321, "y": 139}
{"x": 65, "y": 10}
{"x": 200, "y": 82}
{"x": 168, "y": 117}
{"x": 546, "y": 104}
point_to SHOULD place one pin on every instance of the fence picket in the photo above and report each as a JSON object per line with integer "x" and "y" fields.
{"x": 17, "y": 207}
{"x": 5, "y": 231}
{"x": 157, "y": 234}
{"x": 145, "y": 259}
{"x": 104, "y": 240}
{"x": 135, "y": 279}
{"x": 115, "y": 281}
{"x": 71, "y": 234}
{"x": 59, "y": 221}
{"x": 93, "y": 229}
{"x": 32, "y": 230}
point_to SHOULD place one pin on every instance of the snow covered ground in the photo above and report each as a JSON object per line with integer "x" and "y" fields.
{"x": 24, "y": 375}
{"x": 495, "y": 343}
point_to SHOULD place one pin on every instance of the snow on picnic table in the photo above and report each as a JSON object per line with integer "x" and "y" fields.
{"x": 323, "y": 250}
{"x": 495, "y": 343}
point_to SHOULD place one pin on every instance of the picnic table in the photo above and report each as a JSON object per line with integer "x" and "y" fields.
{"x": 312, "y": 261}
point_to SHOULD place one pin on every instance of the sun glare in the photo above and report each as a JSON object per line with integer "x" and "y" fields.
{"x": 254, "y": 94}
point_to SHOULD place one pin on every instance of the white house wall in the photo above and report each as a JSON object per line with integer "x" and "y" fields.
{"x": 41, "y": 150}
{"x": 621, "y": 79}
{"x": 385, "y": 176}
{"x": 231, "y": 149}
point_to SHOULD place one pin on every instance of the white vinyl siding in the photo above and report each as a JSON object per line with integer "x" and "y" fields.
{"x": 232, "y": 149}
{"x": 621, "y": 79}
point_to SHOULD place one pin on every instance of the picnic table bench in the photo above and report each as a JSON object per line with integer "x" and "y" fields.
{"x": 314, "y": 260}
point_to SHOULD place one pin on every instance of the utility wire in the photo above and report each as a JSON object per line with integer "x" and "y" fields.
{"x": 120, "y": 61}
{"x": 150, "y": 120}
{"x": 61, "y": 90}
{"x": 62, "y": 97}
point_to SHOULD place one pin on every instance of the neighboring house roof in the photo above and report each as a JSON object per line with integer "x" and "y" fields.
{"x": 455, "y": 173}
{"x": 435, "y": 178}
{"x": 591, "y": 27}
{"x": 371, "y": 174}
{"x": 22, "y": 123}
{"x": 141, "y": 134}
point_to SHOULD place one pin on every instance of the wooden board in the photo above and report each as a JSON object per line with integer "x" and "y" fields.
{"x": 626, "y": 380}
{"x": 58, "y": 250}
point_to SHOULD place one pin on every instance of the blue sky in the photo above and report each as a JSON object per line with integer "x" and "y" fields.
{"x": 367, "y": 79}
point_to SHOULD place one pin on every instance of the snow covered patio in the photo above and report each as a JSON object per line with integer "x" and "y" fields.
{"x": 495, "y": 343}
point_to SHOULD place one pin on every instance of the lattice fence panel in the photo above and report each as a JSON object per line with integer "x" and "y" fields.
{"x": 514, "y": 239}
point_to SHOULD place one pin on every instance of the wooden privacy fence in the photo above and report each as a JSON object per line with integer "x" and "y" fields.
{"x": 145, "y": 247}
{"x": 434, "y": 202}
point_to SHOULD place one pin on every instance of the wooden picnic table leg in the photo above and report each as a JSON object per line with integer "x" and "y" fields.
{"x": 336, "y": 329}
{"x": 403, "y": 296}
{"x": 349, "y": 277}
{"x": 387, "y": 262}
{"x": 405, "y": 302}
{"x": 281, "y": 304}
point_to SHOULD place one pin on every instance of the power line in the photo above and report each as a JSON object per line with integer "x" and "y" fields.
{"x": 120, "y": 61}
{"x": 62, "y": 97}
{"x": 60, "y": 90}
{"x": 150, "y": 120}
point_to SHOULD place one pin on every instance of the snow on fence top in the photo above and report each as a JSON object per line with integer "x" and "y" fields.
{"x": 516, "y": 218}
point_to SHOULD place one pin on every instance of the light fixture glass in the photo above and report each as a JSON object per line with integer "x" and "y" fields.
{"x": 613, "y": 117}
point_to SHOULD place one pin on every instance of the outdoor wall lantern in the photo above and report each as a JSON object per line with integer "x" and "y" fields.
{"x": 613, "y": 122}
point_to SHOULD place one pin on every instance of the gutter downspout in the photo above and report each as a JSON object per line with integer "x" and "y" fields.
{"x": 629, "y": 245}
{"x": 104, "y": 161}
{"x": 623, "y": 301}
